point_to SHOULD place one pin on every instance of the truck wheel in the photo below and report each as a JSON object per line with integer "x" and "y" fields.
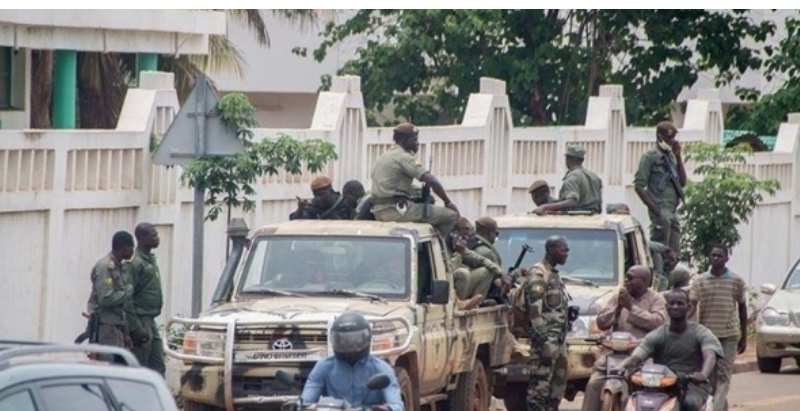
{"x": 196, "y": 406}
{"x": 516, "y": 398}
{"x": 472, "y": 390}
{"x": 769, "y": 365}
{"x": 406, "y": 388}
{"x": 610, "y": 402}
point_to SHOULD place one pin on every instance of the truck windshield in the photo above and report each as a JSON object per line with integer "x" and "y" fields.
{"x": 592, "y": 252}
{"x": 310, "y": 265}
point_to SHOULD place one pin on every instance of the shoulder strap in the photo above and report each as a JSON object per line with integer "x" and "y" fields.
{"x": 333, "y": 207}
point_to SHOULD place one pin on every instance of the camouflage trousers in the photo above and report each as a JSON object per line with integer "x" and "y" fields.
{"x": 471, "y": 283}
{"x": 547, "y": 384}
{"x": 442, "y": 218}
{"x": 666, "y": 230}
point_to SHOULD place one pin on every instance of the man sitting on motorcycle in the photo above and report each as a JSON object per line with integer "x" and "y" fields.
{"x": 635, "y": 309}
{"x": 345, "y": 374}
{"x": 687, "y": 348}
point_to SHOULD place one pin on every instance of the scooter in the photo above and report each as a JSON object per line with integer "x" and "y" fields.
{"x": 615, "y": 391}
{"x": 657, "y": 388}
{"x": 377, "y": 382}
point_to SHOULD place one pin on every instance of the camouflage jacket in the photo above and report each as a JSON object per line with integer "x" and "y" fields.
{"x": 545, "y": 300}
{"x": 147, "y": 299}
{"x": 340, "y": 210}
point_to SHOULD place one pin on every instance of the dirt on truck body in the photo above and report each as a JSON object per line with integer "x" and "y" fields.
{"x": 274, "y": 310}
{"x": 602, "y": 248}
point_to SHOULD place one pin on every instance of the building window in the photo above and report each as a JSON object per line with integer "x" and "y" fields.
{"x": 5, "y": 77}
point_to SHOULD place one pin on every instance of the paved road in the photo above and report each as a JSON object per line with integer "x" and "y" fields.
{"x": 751, "y": 392}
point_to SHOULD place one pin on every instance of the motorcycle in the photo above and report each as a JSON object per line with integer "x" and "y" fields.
{"x": 615, "y": 390}
{"x": 377, "y": 382}
{"x": 657, "y": 388}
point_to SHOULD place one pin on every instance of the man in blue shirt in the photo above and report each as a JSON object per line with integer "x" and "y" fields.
{"x": 345, "y": 375}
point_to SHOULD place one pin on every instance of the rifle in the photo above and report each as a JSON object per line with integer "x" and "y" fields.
{"x": 495, "y": 293}
{"x": 426, "y": 191}
{"x": 525, "y": 249}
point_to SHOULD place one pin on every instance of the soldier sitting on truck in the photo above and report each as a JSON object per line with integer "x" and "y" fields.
{"x": 540, "y": 193}
{"x": 581, "y": 190}
{"x": 327, "y": 204}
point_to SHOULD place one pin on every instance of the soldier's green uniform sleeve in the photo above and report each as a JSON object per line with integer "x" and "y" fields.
{"x": 134, "y": 272}
{"x": 408, "y": 163}
{"x": 107, "y": 291}
{"x": 642, "y": 175}
{"x": 485, "y": 252}
{"x": 570, "y": 188}
{"x": 475, "y": 259}
{"x": 534, "y": 296}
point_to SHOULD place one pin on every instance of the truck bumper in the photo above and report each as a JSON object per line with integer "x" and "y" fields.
{"x": 581, "y": 359}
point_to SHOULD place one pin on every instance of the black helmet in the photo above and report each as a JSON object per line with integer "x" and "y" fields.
{"x": 351, "y": 337}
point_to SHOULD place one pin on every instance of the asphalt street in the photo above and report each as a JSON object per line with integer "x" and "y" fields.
{"x": 751, "y": 391}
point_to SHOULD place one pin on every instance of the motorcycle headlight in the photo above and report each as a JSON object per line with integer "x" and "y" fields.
{"x": 584, "y": 327}
{"x": 773, "y": 317}
{"x": 204, "y": 343}
{"x": 653, "y": 380}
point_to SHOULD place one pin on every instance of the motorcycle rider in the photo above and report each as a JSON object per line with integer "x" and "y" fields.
{"x": 635, "y": 309}
{"x": 345, "y": 374}
{"x": 687, "y": 348}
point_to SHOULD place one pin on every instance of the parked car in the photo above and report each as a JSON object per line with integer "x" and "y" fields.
{"x": 55, "y": 377}
{"x": 778, "y": 325}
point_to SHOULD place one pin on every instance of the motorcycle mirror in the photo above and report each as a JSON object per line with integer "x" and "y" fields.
{"x": 284, "y": 377}
{"x": 378, "y": 382}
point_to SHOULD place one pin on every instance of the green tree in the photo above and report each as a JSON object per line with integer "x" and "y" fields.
{"x": 228, "y": 181}
{"x": 764, "y": 114}
{"x": 552, "y": 60}
{"x": 721, "y": 200}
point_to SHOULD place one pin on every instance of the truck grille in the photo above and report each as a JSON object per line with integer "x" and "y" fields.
{"x": 298, "y": 338}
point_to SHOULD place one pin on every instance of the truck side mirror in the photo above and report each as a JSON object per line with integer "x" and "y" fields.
{"x": 440, "y": 293}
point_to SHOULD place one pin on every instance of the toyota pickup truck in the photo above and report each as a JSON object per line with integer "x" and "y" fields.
{"x": 273, "y": 310}
{"x": 602, "y": 248}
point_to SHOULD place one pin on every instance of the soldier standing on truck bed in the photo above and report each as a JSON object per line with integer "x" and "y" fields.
{"x": 659, "y": 183}
{"x": 581, "y": 189}
{"x": 110, "y": 294}
{"x": 546, "y": 301}
{"x": 392, "y": 176}
{"x": 147, "y": 300}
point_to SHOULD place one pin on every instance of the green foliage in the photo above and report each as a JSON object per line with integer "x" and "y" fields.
{"x": 551, "y": 60}
{"x": 715, "y": 205}
{"x": 229, "y": 180}
{"x": 769, "y": 111}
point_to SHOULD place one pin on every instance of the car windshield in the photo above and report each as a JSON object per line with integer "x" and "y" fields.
{"x": 356, "y": 266}
{"x": 793, "y": 281}
{"x": 592, "y": 252}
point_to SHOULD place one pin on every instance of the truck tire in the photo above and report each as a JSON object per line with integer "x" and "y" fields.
{"x": 406, "y": 388}
{"x": 472, "y": 390}
{"x": 516, "y": 397}
{"x": 196, "y": 406}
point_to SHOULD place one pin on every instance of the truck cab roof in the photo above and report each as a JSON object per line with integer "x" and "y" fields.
{"x": 348, "y": 228}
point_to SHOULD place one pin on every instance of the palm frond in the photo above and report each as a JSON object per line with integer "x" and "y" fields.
{"x": 304, "y": 19}
{"x": 253, "y": 20}
{"x": 223, "y": 57}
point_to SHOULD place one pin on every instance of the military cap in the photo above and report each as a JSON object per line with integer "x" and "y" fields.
{"x": 320, "y": 182}
{"x": 576, "y": 151}
{"x": 666, "y": 128}
{"x": 537, "y": 185}
{"x": 486, "y": 222}
{"x": 406, "y": 128}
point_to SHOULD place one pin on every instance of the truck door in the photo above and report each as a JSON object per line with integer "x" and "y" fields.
{"x": 434, "y": 320}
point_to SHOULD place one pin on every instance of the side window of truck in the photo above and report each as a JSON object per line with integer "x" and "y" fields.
{"x": 424, "y": 271}
{"x": 632, "y": 256}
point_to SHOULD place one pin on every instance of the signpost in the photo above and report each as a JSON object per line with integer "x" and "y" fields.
{"x": 197, "y": 131}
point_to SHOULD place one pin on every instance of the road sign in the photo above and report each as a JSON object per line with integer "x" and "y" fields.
{"x": 196, "y": 131}
{"x": 183, "y": 142}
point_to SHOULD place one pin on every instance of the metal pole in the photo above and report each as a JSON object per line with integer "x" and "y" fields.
{"x": 199, "y": 197}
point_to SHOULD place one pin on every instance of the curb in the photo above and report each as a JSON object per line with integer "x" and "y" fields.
{"x": 745, "y": 366}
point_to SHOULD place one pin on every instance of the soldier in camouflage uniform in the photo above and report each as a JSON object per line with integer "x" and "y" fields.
{"x": 326, "y": 205}
{"x": 659, "y": 183}
{"x": 581, "y": 189}
{"x": 111, "y": 292}
{"x": 546, "y": 302}
{"x": 392, "y": 176}
{"x": 147, "y": 300}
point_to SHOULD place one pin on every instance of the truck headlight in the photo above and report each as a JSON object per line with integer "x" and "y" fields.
{"x": 204, "y": 343}
{"x": 584, "y": 327}
{"x": 773, "y": 317}
{"x": 387, "y": 335}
